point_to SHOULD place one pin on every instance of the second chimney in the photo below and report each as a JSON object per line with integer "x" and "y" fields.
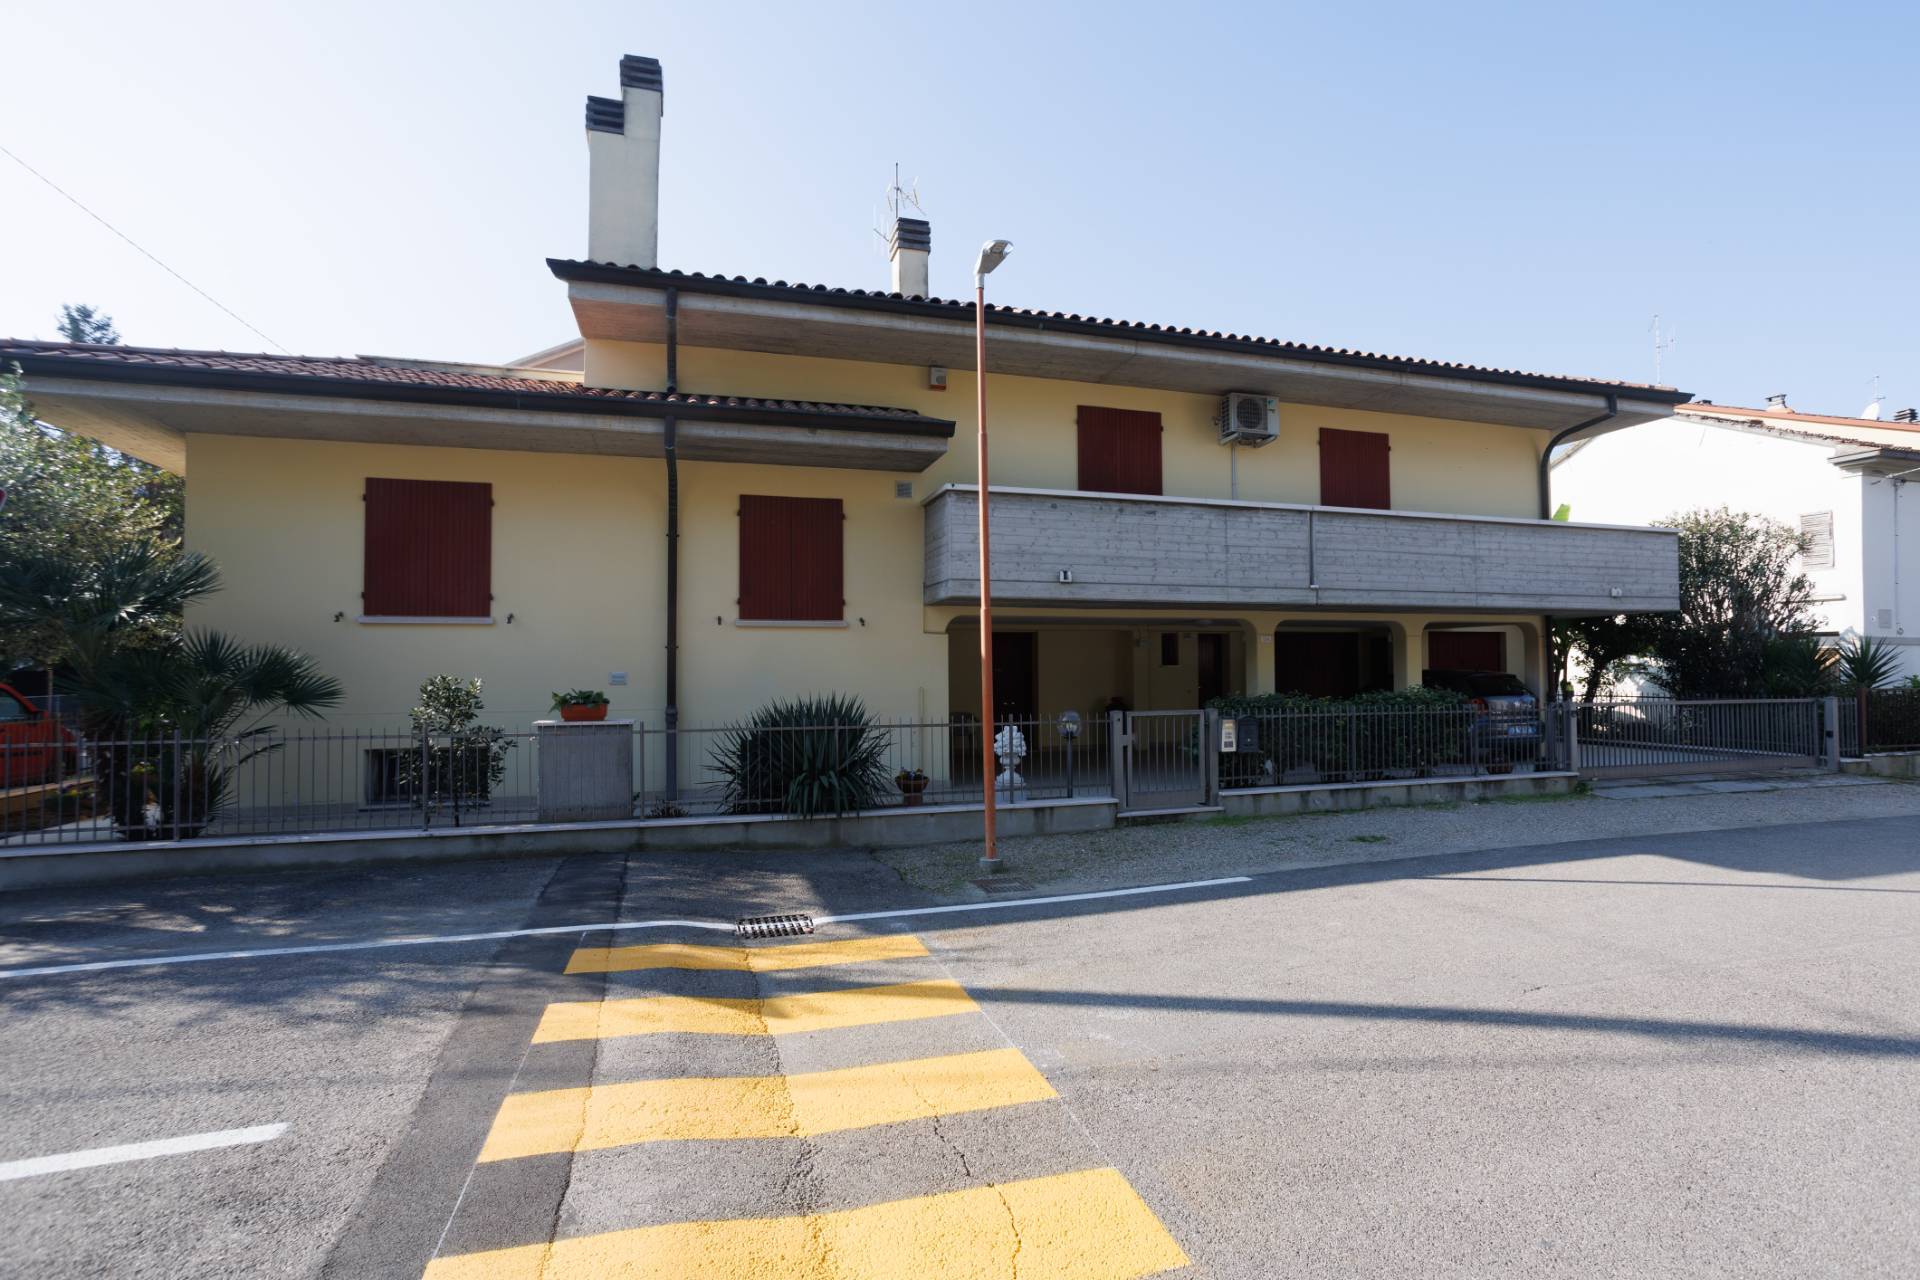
{"x": 911, "y": 242}
{"x": 623, "y": 168}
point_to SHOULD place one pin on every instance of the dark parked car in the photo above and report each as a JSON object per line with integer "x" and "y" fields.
{"x": 1506, "y": 721}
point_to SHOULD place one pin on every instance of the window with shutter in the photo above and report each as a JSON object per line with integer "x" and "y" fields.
{"x": 1817, "y": 532}
{"x": 1354, "y": 470}
{"x": 428, "y": 550}
{"x": 791, "y": 559}
{"x": 1119, "y": 450}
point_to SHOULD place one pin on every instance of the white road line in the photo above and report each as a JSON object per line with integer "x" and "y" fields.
{"x": 1004, "y": 904}
{"x": 139, "y": 1151}
{"x": 203, "y": 957}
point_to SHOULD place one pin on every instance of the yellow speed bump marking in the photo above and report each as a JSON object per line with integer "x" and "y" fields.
{"x": 688, "y": 955}
{"x": 775, "y": 1015}
{"x": 1073, "y": 1226}
{"x": 797, "y": 1106}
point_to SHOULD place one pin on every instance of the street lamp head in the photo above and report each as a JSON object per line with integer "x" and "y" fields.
{"x": 992, "y": 254}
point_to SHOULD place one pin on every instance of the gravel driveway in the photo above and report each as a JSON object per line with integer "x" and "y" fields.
{"x": 1221, "y": 846}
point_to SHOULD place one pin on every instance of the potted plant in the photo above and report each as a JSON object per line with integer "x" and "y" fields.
{"x": 581, "y": 704}
{"x": 912, "y": 782}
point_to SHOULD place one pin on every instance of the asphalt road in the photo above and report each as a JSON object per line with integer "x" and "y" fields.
{"x": 1670, "y": 1055}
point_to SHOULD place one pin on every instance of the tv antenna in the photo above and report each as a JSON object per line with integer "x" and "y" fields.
{"x": 1663, "y": 342}
{"x": 1872, "y": 412}
{"x": 897, "y": 198}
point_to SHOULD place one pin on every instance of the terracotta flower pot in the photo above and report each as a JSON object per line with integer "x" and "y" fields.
{"x": 910, "y": 789}
{"x": 590, "y": 711}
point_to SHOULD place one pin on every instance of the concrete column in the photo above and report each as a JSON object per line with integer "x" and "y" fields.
{"x": 1409, "y": 652}
{"x": 586, "y": 769}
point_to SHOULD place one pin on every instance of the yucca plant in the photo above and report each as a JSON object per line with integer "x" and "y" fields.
{"x": 1866, "y": 663}
{"x": 806, "y": 757}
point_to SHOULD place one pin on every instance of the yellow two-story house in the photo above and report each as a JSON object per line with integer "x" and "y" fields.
{"x": 729, "y": 490}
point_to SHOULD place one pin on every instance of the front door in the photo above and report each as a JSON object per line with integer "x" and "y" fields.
{"x": 1213, "y": 667}
{"x": 1014, "y": 671}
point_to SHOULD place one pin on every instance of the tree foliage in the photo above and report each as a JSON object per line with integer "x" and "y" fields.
{"x": 82, "y": 323}
{"x": 1741, "y": 589}
{"x": 457, "y": 761}
{"x": 1606, "y": 645}
{"x": 73, "y": 501}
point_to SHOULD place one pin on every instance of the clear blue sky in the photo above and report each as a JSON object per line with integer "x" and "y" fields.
{"x": 1518, "y": 185}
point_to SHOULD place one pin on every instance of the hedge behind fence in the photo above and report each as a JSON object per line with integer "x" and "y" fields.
{"x": 1370, "y": 735}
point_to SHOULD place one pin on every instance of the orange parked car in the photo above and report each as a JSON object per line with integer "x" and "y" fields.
{"x": 34, "y": 747}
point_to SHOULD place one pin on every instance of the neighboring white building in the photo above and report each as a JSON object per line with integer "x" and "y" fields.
{"x": 1843, "y": 481}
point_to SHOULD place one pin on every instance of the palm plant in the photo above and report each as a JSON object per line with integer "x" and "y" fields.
{"x": 79, "y": 610}
{"x": 174, "y": 721}
{"x": 1797, "y": 665}
{"x": 1866, "y": 663}
{"x": 807, "y": 757}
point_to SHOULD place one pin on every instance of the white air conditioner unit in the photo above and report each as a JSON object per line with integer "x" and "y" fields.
{"x": 1248, "y": 419}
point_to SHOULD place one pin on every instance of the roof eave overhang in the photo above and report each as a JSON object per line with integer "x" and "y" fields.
{"x": 1878, "y": 461}
{"x": 627, "y": 304}
{"x": 151, "y": 419}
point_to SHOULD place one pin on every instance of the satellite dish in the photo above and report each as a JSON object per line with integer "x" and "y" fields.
{"x": 1872, "y": 412}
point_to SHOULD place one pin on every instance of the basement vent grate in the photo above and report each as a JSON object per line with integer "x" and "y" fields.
{"x": 787, "y": 926}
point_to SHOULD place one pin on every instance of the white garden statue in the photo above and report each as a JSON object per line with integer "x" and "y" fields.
{"x": 1010, "y": 745}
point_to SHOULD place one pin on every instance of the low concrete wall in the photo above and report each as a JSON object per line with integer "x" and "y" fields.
{"x": 1277, "y": 801}
{"x": 31, "y": 868}
{"x": 1891, "y": 764}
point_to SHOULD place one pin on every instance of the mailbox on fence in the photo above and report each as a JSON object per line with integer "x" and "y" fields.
{"x": 586, "y": 770}
{"x": 1239, "y": 733}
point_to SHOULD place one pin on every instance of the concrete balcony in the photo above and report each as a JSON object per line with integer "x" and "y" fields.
{"x": 1172, "y": 552}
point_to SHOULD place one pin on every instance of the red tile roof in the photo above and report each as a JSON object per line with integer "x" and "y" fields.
{"x": 570, "y": 269}
{"x": 356, "y": 375}
{"x": 1791, "y": 417}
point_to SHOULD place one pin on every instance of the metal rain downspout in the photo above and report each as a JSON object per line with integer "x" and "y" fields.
{"x": 672, "y": 447}
{"x": 1552, "y": 674}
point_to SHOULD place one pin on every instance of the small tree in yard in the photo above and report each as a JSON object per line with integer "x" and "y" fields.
{"x": 455, "y": 760}
{"x": 1606, "y": 645}
{"x": 1740, "y": 590}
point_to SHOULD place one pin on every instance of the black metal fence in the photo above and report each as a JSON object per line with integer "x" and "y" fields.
{"x": 71, "y": 788}
{"x": 1887, "y": 720}
{"x": 1365, "y": 744}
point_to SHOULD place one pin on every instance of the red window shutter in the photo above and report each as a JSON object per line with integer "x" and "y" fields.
{"x": 429, "y": 549}
{"x": 1119, "y": 450}
{"x": 791, "y": 559}
{"x": 1354, "y": 470}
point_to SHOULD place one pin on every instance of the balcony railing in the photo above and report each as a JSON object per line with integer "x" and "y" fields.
{"x": 1057, "y": 547}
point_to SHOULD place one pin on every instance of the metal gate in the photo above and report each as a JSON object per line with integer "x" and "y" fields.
{"x": 1163, "y": 759}
{"x": 1628, "y": 737}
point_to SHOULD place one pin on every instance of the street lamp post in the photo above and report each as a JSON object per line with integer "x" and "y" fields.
{"x": 992, "y": 254}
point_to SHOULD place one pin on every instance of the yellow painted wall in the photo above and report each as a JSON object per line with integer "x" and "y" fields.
{"x": 578, "y": 551}
{"x": 1437, "y": 464}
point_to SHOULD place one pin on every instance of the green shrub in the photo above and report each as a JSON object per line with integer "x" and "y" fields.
{"x": 805, "y": 757}
{"x": 1342, "y": 737}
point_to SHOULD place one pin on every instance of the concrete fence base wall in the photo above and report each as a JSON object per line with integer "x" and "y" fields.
{"x": 1892, "y": 764}
{"x": 35, "y": 868}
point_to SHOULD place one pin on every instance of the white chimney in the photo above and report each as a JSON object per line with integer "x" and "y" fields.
{"x": 623, "y": 168}
{"x": 909, "y": 245}
{"x": 1779, "y": 403}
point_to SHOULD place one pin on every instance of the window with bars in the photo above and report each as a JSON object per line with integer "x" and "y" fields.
{"x": 791, "y": 559}
{"x": 428, "y": 549}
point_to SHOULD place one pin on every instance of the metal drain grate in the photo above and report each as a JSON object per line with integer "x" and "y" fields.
{"x": 787, "y": 926}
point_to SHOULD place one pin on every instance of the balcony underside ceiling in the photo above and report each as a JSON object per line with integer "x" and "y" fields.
{"x": 638, "y": 314}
